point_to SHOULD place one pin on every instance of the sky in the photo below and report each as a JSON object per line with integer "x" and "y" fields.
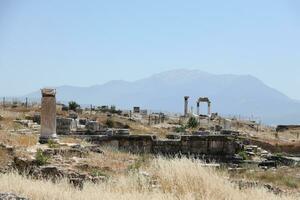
{"x": 83, "y": 43}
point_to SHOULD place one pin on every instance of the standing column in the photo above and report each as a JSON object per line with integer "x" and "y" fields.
{"x": 186, "y": 104}
{"x": 26, "y": 102}
{"x": 198, "y": 108}
{"x": 48, "y": 116}
{"x": 208, "y": 109}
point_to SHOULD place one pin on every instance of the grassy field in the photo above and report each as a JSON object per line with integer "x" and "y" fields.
{"x": 161, "y": 179}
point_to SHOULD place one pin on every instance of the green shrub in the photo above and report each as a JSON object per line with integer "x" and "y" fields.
{"x": 41, "y": 158}
{"x": 180, "y": 129}
{"x": 73, "y": 105}
{"x": 192, "y": 122}
{"x": 244, "y": 155}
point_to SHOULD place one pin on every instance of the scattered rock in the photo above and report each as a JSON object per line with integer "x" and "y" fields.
{"x": 285, "y": 160}
{"x": 9, "y": 149}
{"x": 67, "y": 152}
{"x": 268, "y": 164}
{"x": 94, "y": 149}
{"x": 48, "y": 172}
{"x": 10, "y": 196}
{"x": 76, "y": 182}
{"x": 243, "y": 184}
{"x": 23, "y": 164}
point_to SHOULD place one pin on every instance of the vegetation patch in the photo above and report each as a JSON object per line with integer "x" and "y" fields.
{"x": 41, "y": 158}
{"x": 52, "y": 144}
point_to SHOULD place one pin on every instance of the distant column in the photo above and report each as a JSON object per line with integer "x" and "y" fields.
{"x": 48, "y": 116}
{"x": 198, "y": 108}
{"x": 149, "y": 120}
{"x": 208, "y": 109}
{"x": 186, "y": 104}
{"x": 26, "y": 102}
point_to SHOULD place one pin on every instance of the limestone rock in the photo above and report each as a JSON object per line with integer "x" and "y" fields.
{"x": 10, "y": 196}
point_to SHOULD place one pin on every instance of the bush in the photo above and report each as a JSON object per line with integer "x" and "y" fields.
{"x": 41, "y": 158}
{"x": 180, "y": 129}
{"x": 73, "y": 105}
{"x": 192, "y": 123}
{"x": 244, "y": 155}
{"x": 110, "y": 123}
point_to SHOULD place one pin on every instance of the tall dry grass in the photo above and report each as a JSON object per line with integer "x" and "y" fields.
{"x": 167, "y": 179}
{"x": 17, "y": 139}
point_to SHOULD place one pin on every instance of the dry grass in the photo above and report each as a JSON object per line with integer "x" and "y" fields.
{"x": 69, "y": 139}
{"x": 8, "y": 126}
{"x": 168, "y": 179}
{"x": 111, "y": 161}
{"x": 284, "y": 177}
{"x": 4, "y": 157}
{"x": 17, "y": 139}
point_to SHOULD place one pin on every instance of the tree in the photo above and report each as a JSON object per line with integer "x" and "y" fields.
{"x": 192, "y": 122}
{"x": 73, "y": 105}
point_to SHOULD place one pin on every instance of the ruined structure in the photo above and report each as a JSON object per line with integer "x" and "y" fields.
{"x": 65, "y": 125}
{"x": 282, "y": 128}
{"x": 212, "y": 147}
{"x": 186, "y": 104}
{"x": 205, "y": 100}
{"x": 92, "y": 126}
{"x": 48, "y": 115}
{"x": 136, "y": 109}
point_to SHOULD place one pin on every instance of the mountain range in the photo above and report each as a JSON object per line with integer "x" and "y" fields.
{"x": 234, "y": 95}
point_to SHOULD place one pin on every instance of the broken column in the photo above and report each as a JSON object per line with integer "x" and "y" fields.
{"x": 48, "y": 116}
{"x": 186, "y": 104}
{"x": 208, "y": 108}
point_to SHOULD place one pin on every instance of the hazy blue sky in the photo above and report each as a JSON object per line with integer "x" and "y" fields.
{"x": 52, "y": 43}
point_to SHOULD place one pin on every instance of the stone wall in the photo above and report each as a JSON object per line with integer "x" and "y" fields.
{"x": 214, "y": 146}
{"x": 289, "y": 148}
{"x": 282, "y": 128}
{"x": 65, "y": 125}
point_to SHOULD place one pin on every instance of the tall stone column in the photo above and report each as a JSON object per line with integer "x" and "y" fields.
{"x": 186, "y": 104}
{"x": 208, "y": 109}
{"x": 48, "y": 116}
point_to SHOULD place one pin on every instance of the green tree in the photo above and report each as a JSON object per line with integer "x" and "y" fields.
{"x": 192, "y": 122}
{"x": 73, "y": 105}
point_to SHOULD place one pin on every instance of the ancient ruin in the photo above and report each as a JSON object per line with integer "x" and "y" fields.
{"x": 48, "y": 115}
{"x": 212, "y": 147}
{"x": 186, "y": 105}
{"x": 95, "y": 138}
{"x": 205, "y": 100}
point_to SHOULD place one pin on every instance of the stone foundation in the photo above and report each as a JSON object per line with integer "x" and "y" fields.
{"x": 218, "y": 147}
